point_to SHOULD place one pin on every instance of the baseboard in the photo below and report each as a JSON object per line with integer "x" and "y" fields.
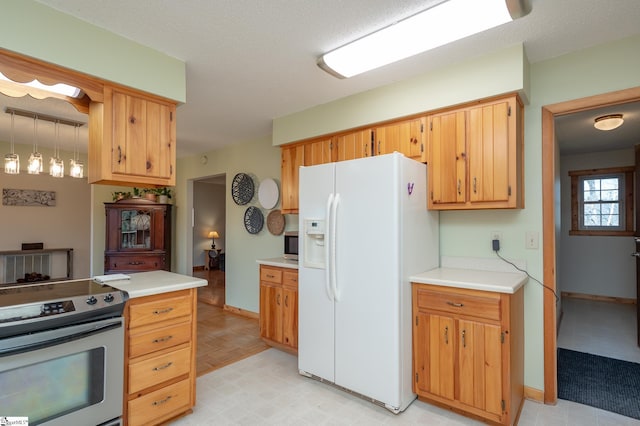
{"x": 624, "y": 300}
{"x": 241, "y": 312}
{"x": 533, "y": 394}
{"x": 198, "y": 268}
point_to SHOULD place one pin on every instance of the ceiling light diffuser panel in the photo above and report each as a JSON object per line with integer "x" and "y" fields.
{"x": 448, "y": 21}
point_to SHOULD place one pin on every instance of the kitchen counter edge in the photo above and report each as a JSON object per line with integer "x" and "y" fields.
{"x": 473, "y": 279}
{"x": 280, "y": 262}
{"x": 156, "y": 282}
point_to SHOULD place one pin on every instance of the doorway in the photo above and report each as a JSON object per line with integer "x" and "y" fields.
{"x": 550, "y": 180}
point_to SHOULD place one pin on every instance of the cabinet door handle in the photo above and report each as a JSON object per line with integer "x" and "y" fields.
{"x": 446, "y": 335}
{"x": 278, "y": 300}
{"x": 379, "y": 151}
{"x": 457, "y": 305}
{"x": 162, "y": 367}
{"x": 163, "y": 339}
{"x": 475, "y": 189}
{"x": 119, "y": 154}
{"x": 286, "y": 301}
{"x": 464, "y": 340}
{"x": 162, "y": 401}
{"x": 162, "y": 311}
{"x": 459, "y": 186}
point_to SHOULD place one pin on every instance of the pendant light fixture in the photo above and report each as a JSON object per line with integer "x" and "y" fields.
{"x": 76, "y": 168}
{"x": 12, "y": 160}
{"x": 34, "y": 167}
{"x": 56, "y": 165}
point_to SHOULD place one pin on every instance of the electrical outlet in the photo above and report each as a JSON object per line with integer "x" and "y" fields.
{"x": 531, "y": 240}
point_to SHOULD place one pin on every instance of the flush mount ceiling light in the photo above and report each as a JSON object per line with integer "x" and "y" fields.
{"x": 608, "y": 122}
{"x": 444, "y": 23}
{"x": 59, "y": 89}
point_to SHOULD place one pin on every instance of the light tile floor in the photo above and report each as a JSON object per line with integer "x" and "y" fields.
{"x": 266, "y": 389}
{"x": 600, "y": 328}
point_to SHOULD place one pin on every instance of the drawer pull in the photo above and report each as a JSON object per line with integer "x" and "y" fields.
{"x": 162, "y": 401}
{"x": 162, "y": 367}
{"x": 163, "y": 311}
{"x": 162, "y": 339}
{"x": 457, "y": 305}
{"x": 270, "y": 276}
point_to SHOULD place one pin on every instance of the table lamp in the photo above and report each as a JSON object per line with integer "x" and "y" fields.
{"x": 213, "y": 235}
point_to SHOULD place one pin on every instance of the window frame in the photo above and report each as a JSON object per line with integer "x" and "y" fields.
{"x": 626, "y": 200}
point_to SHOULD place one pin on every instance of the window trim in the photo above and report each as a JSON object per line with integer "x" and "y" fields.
{"x": 626, "y": 199}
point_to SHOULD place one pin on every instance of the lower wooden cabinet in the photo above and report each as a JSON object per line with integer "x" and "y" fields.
{"x": 279, "y": 307}
{"x": 469, "y": 350}
{"x": 160, "y": 363}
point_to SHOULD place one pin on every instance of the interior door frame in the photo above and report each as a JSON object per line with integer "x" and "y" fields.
{"x": 549, "y": 178}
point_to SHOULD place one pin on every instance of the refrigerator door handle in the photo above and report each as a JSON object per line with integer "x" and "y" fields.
{"x": 334, "y": 226}
{"x": 327, "y": 249}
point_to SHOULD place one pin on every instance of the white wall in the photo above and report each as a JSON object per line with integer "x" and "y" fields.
{"x": 209, "y": 215}
{"x": 594, "y": 265}
{"x": 66, "y": 225}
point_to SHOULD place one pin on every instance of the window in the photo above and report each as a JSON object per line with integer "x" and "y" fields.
{"x": 602, "y": 201}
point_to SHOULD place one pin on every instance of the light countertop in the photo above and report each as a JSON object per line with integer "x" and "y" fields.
{"x": 279, "y": 261}
{"x": 474, "y": 279}
{"x": 156, "y": 282}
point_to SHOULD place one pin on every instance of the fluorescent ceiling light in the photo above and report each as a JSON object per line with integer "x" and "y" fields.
{"x": 437, "y": 26}
{"x": 608, "y": 122}
{"x": 60, "y": 88}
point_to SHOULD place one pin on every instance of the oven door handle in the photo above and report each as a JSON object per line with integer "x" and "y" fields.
{"x": 30, "y": 342}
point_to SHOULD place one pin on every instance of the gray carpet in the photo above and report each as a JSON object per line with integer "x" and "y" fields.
{"x": 606, "y": 383}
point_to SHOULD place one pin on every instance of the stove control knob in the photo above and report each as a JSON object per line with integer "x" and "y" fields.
{"x": 109, "y": 298}
{"x": 92, "y": 300}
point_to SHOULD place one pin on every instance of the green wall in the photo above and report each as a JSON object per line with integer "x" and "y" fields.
{"x": 35, "y": 30}
{"x": 592, "y": 71}
{"x": 260, "y": 160}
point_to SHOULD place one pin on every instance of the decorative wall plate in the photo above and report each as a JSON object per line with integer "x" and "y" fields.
{"x": 275, "y": 222}
{"x": 253, "y": 220}
{"x": 268, "y": 194}
{"x": 242, "y": 188}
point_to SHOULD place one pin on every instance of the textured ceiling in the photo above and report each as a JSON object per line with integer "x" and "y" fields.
{"x": 250, "y": 61}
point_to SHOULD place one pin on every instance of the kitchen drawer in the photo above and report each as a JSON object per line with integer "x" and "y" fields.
{"x": 290, "y": 279}
{"x": 157, "y": 339}
{"x": 472, "y": 303}
{"x": 271, "y": 275}
{"x": 161, "y": 309}
{"x": 151, "y": 371}
{"x": 140, "y": 262}
{"x": 166, "y": 401}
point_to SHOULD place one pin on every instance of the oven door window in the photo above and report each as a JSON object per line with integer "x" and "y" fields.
{"x": 52, "y": 388}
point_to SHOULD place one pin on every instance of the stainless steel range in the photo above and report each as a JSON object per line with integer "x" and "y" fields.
{"x": 62, "y": 353}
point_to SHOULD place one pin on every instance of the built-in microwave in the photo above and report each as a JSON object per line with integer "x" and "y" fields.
{"x": 291, "y": 245}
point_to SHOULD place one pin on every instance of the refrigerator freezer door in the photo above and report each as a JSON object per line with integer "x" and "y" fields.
{"x": 367, "y": 315}
{"x": 315, "y": 304}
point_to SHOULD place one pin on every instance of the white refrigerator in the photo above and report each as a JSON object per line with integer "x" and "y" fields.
{"x": 364, "y": 229}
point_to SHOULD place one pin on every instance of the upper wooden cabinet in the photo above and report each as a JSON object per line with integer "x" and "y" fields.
{"x": 358, "y": 144}
{"x": 475, "y": 158}
{"x": 318, "y": 152}
{"x": 405, "y": 136}
{"x": 292, "y": 158}
{"x": 132, "y": 139}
